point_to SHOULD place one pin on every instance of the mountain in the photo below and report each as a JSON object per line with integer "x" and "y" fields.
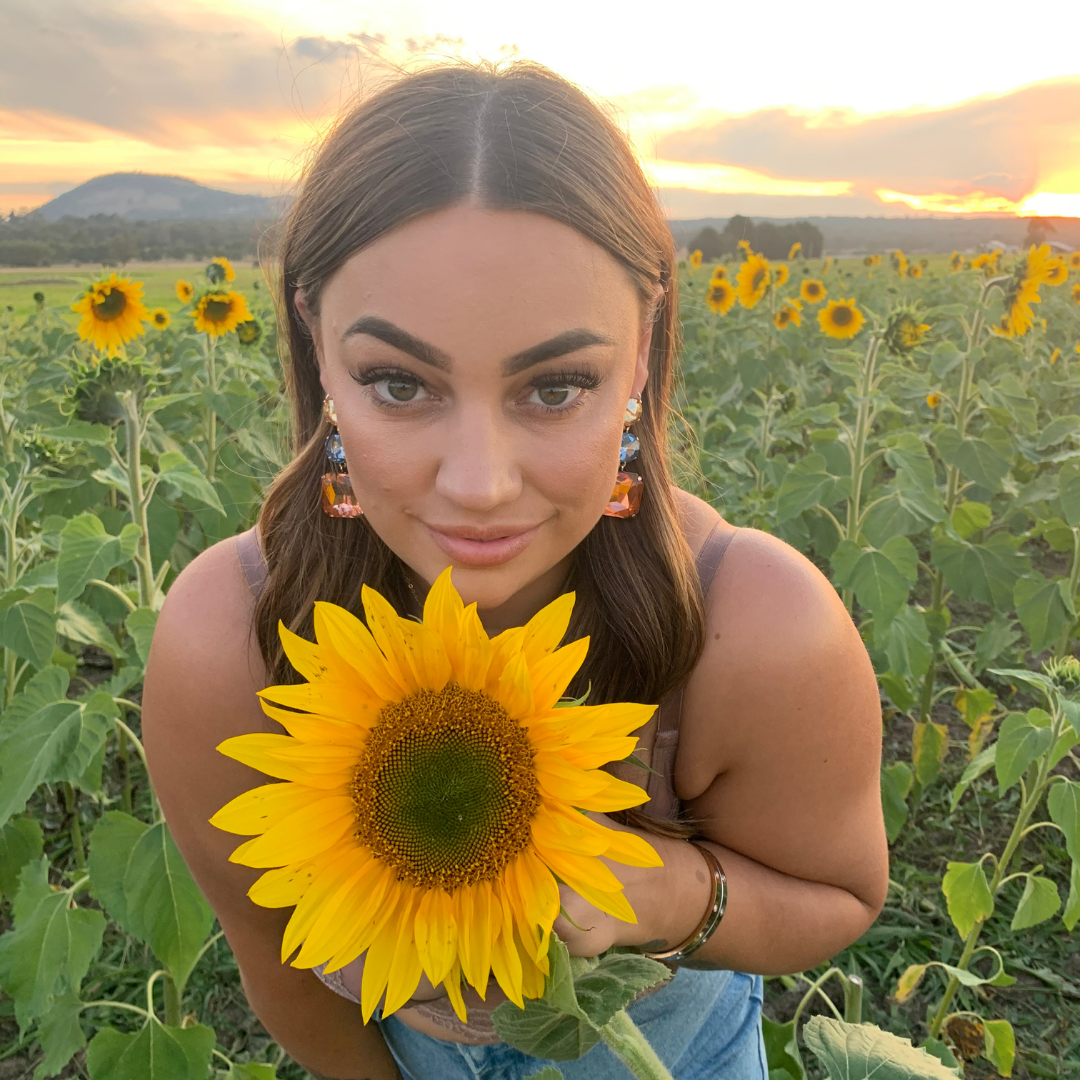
{"x": 153, "y": 197}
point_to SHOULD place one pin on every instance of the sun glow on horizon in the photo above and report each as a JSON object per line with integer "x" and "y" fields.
{"x": 1034, "y": 204}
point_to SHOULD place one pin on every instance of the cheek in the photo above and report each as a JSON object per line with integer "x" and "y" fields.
{"x": 385, "y": 467}
{"x": 577, "y": 468}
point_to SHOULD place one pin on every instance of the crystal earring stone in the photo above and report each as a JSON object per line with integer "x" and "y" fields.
{"x": 338, "y": 498}
{"x": 629, "y": 449}
{"x": 335, "y": 452}
{"x": 329, "y": 412}
{"x": 625, "y": 499}
{"x": 633, "y": 411}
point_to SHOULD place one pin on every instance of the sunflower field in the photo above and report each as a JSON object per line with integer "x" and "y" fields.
{"x": 912, "y": 425}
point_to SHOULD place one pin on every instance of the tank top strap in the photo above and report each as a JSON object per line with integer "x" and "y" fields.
{"x": 663, "y": 802}
{"x": 252, "y": 560}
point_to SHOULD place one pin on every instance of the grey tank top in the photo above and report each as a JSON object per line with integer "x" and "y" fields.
{"x": 658, "y": 744}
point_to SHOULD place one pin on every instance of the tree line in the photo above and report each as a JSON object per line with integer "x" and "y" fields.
{"x": 110, "y": 239}
{"x": 772, "y": 240}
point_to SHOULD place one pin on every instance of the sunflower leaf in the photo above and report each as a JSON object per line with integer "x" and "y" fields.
{"x": 614, "y": 983}
{"x": 156, "y": 1052}
{"x": 859, "y": 1051}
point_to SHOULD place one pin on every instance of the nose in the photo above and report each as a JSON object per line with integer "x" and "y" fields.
{"x": 478, "y": 470}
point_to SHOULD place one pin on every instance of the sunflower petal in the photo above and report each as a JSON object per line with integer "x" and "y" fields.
{"x": 566, "y": 783}
{"x": 514, "y": 691}
{"x": 355, "y": 644}
{"x": 301, "y": 835}
{"x": 476, "y": 653}
{"x": 262, "y": 750}
{"x": 380, "y": 957}
{"x": 385, "y": 624}
{"x": 590, "y": 721}
{"x": 625, "y": 847}
{"x": 260, "y": 808}
{"x": 308, "y": 727}
{"x": 436, "y": 934}
{"x": 328, "y": 871}
{"x": 547, "y": 628}
{"x": 506, "y": 965}
{"x": 590, "y": 879}
{"x": 350, "y": 704}
{"x": 551, "y": 674}
{"x": 282, "y": 886}
{"x": 442, "y": 613}
{"x": 405, "y": 970}
{"x": 321, "y": 941}
{"x": 427, "y": 655}
{"x": 365, "y": 913}
{"x": 452, "y": 982}
{"x": 504, "y": 647}
{"x": 593, "y": 753}
{"x": 616, "y": 795}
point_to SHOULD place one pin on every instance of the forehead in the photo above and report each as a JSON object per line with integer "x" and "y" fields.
{"x": 517, "y": 275}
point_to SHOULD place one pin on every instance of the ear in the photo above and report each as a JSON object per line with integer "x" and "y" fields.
{"x": 651, "y": 313}
{"x": 311, "y": 323}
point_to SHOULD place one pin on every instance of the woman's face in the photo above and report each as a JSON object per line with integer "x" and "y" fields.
{"x": 480, "y": 362}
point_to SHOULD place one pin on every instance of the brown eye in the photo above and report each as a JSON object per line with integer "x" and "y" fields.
{"x": 554, "y": 397}
{"x": 399, "y": 390}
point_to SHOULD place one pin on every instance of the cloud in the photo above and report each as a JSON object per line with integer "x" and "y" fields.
{"x": 1005, "y": 146}
{"x": 166, "y": 73}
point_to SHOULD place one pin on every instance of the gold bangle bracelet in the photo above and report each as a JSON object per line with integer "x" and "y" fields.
{"x": 710, "y": 920}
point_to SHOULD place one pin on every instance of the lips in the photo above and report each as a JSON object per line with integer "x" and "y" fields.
{"x": 482, "y": 546}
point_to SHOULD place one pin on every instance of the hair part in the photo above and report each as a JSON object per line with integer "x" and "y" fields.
{"x": 515, "y": 137}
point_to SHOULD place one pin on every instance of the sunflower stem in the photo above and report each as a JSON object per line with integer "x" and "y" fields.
{"x": 624, "y": 1039}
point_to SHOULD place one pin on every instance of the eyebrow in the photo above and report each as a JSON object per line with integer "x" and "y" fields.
{"x": 567, "y": 342}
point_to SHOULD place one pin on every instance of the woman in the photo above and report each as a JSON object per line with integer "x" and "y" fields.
{"x": 476, "y": 281}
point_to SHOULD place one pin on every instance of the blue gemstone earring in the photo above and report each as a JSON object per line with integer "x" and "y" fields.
{"x": 625, "y": 499}
{"x": 338, "y": 498}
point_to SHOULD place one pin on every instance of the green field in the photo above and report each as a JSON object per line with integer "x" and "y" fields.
{"x": 928, "y": 464}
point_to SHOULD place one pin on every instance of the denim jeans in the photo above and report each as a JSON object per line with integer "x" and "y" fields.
{"x": 703, "y": 1025}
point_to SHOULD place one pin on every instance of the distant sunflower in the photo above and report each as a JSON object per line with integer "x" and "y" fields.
{"x": 695, "y": 259}
{"x": 874, "y": 260}
{"x": 1057, "y": 272}
{"x": 752, "y": 280}
{"x": 780, "y": 275}
{"x": 914, "y": 272}
{"x": 721, "y": 296}
{"x": 1074, "y": 261}
{"x": 112, "y": 314}
{"x": 744, "y": 245}
{"x": 217, "y": 313}
{"x": 905, "y": 331}
{"x": 1055, "y": 356}
{"x": 719, "y": 272}
{"x": 789, "y": 313}
{"x": 249, "y": 332}
{"x": 795, "y": 249}
{"x": 184, "y": 291}
{"x": 1023, "y": 291}
{"x": 813, "y": 291}
{"x": 956, "y": 262}
{"x": 431, "y": 798}
{"x": 933, "y": 400}
{"x": 841, "y": 318}
{"x": 160, "y": 318}
{"x": 899, "y": 262}
{"x": 220, "y": 269}
{"x": 1076, "y": 292}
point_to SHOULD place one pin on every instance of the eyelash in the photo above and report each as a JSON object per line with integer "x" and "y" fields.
{"x": 584, "y": 379}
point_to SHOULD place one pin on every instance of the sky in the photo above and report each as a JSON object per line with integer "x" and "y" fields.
{"x": 781, "y": 109}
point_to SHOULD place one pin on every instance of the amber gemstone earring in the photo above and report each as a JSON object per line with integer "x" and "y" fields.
{"x": 338, "y": 498}
{"x": 625, "y": 499}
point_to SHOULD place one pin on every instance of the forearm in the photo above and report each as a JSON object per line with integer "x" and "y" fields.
{"x": 774, "y": 924}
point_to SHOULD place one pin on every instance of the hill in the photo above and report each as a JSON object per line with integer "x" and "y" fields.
{"x": 153, "y": 197}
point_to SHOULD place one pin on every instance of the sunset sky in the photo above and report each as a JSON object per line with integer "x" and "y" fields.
{"x": 781, "y": 109}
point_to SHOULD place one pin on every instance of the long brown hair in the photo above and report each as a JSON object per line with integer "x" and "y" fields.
{"x": 517, "y": 138}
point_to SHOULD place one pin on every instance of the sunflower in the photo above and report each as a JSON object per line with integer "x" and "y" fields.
{"x": 160, "y": 318}
{"x": 1076, "y": 292}
{"x": 914, "y": 271}
{"x": 249, "y": 332}
{"x": 752, "y": 279}
{"x": 790, "y": 312}
{"x": 780, "y": 276}
{"x": 1055, "y": 356}
{"x": 744, "y": 246}
{"x": 956, "y": 262}
{"x": 719, "y": 273}
{"x": 432, "y": 795}
{"x": 1074, "y": 261}
{"x": 905, "y": 331}
{"x": 112, "y": 314}
{"x": 219, "y": 312}
{"x": 899, "y": 262}
{"x": 184, "y": 291}
{"x": 721, "y": 296}
{"x": 1057, "y": 272}
{"x": 812, "y": 291}
{"x": 933, "y": 400}
{"x": 1023, "y": 291}
{"x": 795, "y": 249}
{"x": 695, "y": 259}
{"x": 219, "y": 270}
{"x": 982, "y": 262}
{"x": 841, "y": 318}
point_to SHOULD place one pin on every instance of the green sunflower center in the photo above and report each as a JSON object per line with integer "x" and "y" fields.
{"x": 842, "y": 315}
{"x": 217, "y": 310}
{"x": 111, "y": 305}
{"x": 446, "y": 791}
{"x": 757, "y": 280}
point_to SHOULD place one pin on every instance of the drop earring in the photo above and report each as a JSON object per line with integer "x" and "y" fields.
{"x": 625, "y": 499}
{"x": 338, "y": 498}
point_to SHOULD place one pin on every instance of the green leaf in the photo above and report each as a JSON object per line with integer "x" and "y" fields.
{"x": 1069, "y": 492}
{"x": 967, "y": 895}
{"x": 861, "y": 1051}
{"x": 80, "y": 431}
{"x": 804, "y": 485}
{"x": 982, "y": 762}
{"x": 541, "y": 1030}
{"x": 900, "y": 551}
{"x": 906, "y": 643}
{"x": 174, "y": 468}
{"x": 80, "y": 623}
{"x": 164, "y": 905}
{"x": 896, "y": 781}
{"x": 782, "y": 1049}
{"x": 1044, "y": 608}
{"x": 60, "y": 1035}
{"x": 111, "y": 844}
{"x": 21, "y": 842}
{"x": 251, "y": 1070}
{"x": 140, "y": 625}
{"x": 1000, "y": 1044}
{"x": 1071, "y": 914}
{"x": 35, "y": 750}
{"x": 879, "y": 585}
{"x": 48, "y": 953}
{"x": 1063, "y": 802}
{"x": 1057, "y": 430}
{"x": 985, "y": 460}
{"x": 615, "y": 982}
{"x": 28, "y": 626}
{"x": 985, "y": 572}
{"x": 1031, "y": 678}
{"x": 156, "y": 1052}
{"x": 929, "y": 745}
{"x": 843, "y": 559}
{"x": 969, "y": 517}
{"x": 936, "y": 1048}
{"x": 87, "y": 551}
{"x": 909, "y": 981}
{"x": 1022, "y": 738}
{"x": 1039, "y": 903}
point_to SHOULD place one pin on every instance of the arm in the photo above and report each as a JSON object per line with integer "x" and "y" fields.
{"x": 779, "y": 762}
{"x": 201, "y": 680}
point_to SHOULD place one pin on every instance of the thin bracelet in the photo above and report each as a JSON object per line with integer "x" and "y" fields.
{"x": 711, "y": 919}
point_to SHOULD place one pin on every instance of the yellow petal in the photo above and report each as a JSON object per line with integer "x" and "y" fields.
{"x": 539, "y": 892}
{"x": 442, "y": 613}
{"x": 302, "y": 835}
{"x": 504, "y": 647}
{"x": 282, "y": 886}
{"x": 309, "y": 659}
{"x": 566, "y": 783}
{"x": 318, "y": 759}
{"x": 475, "y": 653}
{"x": 622, "y": 846}
{"x": 514, "y": 691}
{"x": 547, "y": 628}
{"x": 349, "y": 703}
{"x": 616, "y": 795}
{"x": 436, "y": 934}
{"x": 329, "y": 871}
{"x": 593, "y": 753}
{"x": 427, "y": 655}
{"x": 258, "y": 809}
{"x": 452, "y": 982}
{"x": 352, "y": 641}
{"x": 365, "y": 913}
{"x": 386, "y": 629}
{"x": 589, "y": 721}
{"x": 405, "y": 970}
{"x": 324, "y": 934}
{"x": 380, "y": 956}
{"x": 479, "y": 928}
{"x": 309, "y": 727}
{"x": 532, "y": 978}
{"x": 591, "y": 879}
{"x": 506, "y": 965}
{"x": 551, "y": 829}
{"x": 551, "y": 674}
{"x": 263, "y": 751}
{"x": 630, "y": 849}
